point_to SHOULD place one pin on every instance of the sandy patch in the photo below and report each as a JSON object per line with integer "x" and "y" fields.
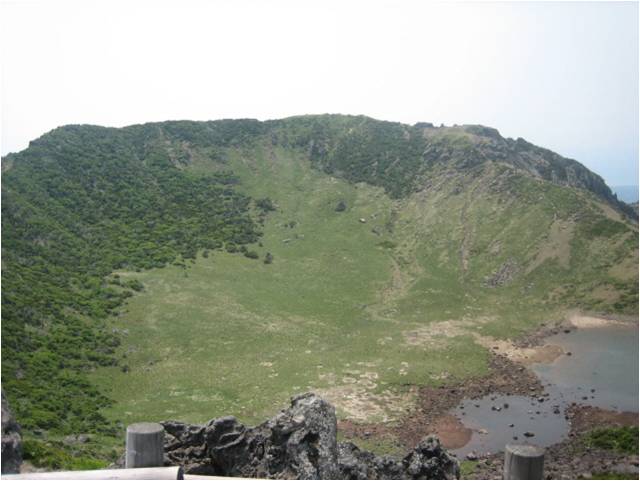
{"x": 521, "y": 355}
{"x": 586, "y": 322}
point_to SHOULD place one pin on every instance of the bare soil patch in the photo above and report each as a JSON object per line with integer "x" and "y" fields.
{"x": 451, "y": 432}
{"x": 356, "y": 400}
{"x": 431, "y": 411}
{"x": 585, "y": 418}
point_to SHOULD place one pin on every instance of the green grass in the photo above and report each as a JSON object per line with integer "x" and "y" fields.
{"x": 609, "y": 475}
{"x": 467, "y": 468}
{"x": 332, "y": 312}
{"x": 380, "y": 445}
{"x": 231, "y": 335}
{"x": 623, "y": 440}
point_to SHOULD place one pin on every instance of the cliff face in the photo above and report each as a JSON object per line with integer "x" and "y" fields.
{"x": 487, "y": 144}
{"x": 298, "y": 443}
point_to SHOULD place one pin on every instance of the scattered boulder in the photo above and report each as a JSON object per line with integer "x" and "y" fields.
{"x": 298, "y": 443}
{"x": 341, "y": 207}
{"x": 11, "y": 440}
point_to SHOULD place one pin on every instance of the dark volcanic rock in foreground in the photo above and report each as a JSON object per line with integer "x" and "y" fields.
{"x": 11, "y": 441}
{"x": 298, "y": 443}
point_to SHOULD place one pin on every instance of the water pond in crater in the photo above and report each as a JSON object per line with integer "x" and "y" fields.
{"x": 601, "y": 371}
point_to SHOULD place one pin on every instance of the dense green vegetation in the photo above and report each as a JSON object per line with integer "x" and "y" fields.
{"x": 399, "y": 157}
{"x": 78, "y": 204}
{"x": 205, "y": 262}
{"x": 58, "y": 455}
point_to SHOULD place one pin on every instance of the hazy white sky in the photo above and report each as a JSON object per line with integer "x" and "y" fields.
{"x": 561, "y": 75}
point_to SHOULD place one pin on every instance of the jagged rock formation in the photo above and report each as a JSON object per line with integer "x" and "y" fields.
{"x": 11, "y": 440}
{"x": 298, "y": 443}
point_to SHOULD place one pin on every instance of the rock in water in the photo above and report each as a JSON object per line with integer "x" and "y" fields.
{"x": 298, "y": 443}
{"x": 11, "y": 440}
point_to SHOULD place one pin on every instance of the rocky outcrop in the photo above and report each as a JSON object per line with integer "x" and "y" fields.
{"x": 11, "y": 440}
{"x": 428, "y": 460}
{"x": 298, "y": 443}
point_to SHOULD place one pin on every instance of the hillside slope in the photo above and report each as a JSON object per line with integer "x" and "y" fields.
{"x": 396, "y": 253}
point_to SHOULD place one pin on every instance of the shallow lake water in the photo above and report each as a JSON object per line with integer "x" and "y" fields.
{"x": 601, "y": 371}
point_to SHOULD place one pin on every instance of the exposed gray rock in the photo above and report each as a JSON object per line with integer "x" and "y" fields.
{"x": 357, "y": 464}
{"x": 429, "y": 460}
{"x": 298, "y": 443}
{"x": 11, "y": 440}
{"x": 504, "y": 275}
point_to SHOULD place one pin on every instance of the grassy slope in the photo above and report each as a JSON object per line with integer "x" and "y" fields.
{"x": 232, "y": 335}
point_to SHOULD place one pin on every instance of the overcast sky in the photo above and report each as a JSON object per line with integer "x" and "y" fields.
{"x": 561, "y": 75}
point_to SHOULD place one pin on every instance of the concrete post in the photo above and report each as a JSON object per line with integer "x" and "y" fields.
{"x": 523, "y": 462}
{"x": 145, "y": 445}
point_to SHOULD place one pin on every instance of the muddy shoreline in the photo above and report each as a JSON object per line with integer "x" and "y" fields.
{"x": 509, "y": 375}
{"x": 571, "y": 459}
{"x": 430, "y": 415}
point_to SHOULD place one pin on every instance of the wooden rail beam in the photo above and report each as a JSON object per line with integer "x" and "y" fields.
{"x": 170, "y": 472}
